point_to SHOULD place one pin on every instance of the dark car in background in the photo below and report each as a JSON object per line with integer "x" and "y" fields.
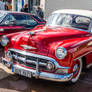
{"x": 11, "y": 22}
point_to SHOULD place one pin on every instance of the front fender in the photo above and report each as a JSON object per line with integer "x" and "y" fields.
{"x": 75, "y": 48}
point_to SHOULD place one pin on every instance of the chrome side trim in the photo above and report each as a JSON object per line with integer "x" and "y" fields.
{"x": 89, "y": 65}
{"x": 36, "y": 55}
{"x": 47, "y": 76}
{"x": 82, "y": 55}
{"x": 37, "y": 69}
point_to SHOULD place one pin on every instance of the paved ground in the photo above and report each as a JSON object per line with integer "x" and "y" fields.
{"x": 12, "y": 83}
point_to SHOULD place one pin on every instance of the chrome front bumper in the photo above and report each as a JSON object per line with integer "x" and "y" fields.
{"x": 42, "y": 75}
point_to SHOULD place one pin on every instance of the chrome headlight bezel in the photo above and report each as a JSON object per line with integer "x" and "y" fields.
{"x": 61, "y": 52}
{"x": 4, "y": 40}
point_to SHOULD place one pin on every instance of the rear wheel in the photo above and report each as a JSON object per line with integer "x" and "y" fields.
{"x": 76, "y": 71}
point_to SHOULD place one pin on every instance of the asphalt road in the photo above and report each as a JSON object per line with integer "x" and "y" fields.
{"x": 13, "y": 83}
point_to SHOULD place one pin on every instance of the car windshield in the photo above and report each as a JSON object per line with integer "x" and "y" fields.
{"x": 20, "y": 20}
{"x": 69, "y": 20}
{"x": 2, "y": 15}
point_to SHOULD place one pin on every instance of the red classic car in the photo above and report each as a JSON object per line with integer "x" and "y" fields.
{"x": 58, "y": 51}
{"x": 11, "y": 22}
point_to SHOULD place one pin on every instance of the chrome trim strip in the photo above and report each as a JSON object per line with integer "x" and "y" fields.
{"x": 89, "y": 65}
{"x": 36, "y": 55}
{"x": 47, "y": 76}
{"x": 29, "y": 61}
{"x": 27, "y": 47}
{"x": 37, "y": 69}
{"x": 82, "y": 55}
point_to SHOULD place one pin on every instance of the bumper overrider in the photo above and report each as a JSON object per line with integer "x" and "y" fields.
{"x": 35, "y": 72}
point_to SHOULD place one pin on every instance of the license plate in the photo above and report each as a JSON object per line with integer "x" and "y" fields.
{"x": 22, "y": 72}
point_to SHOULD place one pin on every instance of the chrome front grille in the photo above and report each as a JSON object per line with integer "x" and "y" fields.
{"x": 29, "y": 61}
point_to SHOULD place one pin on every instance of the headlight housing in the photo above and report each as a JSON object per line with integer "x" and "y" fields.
{"x": 4, "y": 40}
{"x": 61, "y": 52}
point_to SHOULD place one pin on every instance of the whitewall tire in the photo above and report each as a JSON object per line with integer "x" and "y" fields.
{"x": 78, "y": 73}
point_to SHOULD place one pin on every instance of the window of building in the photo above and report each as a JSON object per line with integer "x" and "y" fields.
{"x": 37, "y": 2}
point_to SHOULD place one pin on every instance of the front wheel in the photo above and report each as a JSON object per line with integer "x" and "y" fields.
{"x": 76, "y": 71}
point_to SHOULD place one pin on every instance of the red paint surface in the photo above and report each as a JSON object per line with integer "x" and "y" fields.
{"x": 75, "y": 41}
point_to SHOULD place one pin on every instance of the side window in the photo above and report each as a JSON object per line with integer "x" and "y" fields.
{"x": 82, "y": 22}
{"x": 31, "y": 21}
{"x": 23, "y": 19}
{"x": 8, "y": 19}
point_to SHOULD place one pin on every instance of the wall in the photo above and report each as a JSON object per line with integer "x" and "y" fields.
{"x": 25, "y": 1}
{"x": 42, "y": 4}
{"x": 52, "y": 5}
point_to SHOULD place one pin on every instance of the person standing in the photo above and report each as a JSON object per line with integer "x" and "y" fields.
{"x": 39, "y": 12}
{"x": 2, "y": 5}
{"x": 25, "y": 8}
{"x": 6, "y": 6}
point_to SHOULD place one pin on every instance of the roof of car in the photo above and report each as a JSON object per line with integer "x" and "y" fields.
{"x": 6, "y": 12}
{"x": 87, "y": 13}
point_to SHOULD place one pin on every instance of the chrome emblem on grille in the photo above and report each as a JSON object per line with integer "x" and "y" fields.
{"x": 28, "y": 47}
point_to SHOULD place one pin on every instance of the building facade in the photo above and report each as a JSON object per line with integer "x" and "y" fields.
{"x": 52, "y": 5}
{"x": 49, "y": 6}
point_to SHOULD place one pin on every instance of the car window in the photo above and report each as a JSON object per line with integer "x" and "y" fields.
{"x": 24, "y": 19}
{"x": 2, "y": 16}
{"x": 8, "y": 19}
{"x": 69, "y": 20}
{"x": 38, "y": 18}
{"x": 20, "y": 19}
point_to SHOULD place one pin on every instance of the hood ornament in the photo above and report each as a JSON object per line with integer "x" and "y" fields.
{"x": 28, "y": 47}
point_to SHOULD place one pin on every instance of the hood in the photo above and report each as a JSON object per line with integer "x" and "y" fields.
{"x": 60, "y": 32}
{"x": 42, "y": 40}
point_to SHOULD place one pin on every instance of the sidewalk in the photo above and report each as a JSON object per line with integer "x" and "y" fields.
{"x": 4, "y": 71}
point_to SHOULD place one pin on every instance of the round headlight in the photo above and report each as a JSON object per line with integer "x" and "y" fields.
{"x": 4, "y": 40}
{"x": 61, "y": 52}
